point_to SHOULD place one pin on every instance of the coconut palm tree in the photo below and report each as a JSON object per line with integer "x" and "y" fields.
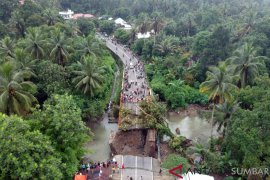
{"x": 157, "y": 22}
{"x": 90, "y": 76}
{"x": 16, "y": 94}
{"x": 89, "y": 46}
{"x": 18, "y": 22}
{"x": 7, "y": 46}
{"x": 142, "y": 23}
{"x": 246, "y": 63}
{"x": 24, "y": 63}
{"x": 227, "y": 109}
{"x": 51, "y": 16}
{"x": 218, "y": 85}
{"x": 167, "y": 46}
{"x": 35, "y": 43}
{"x": 60, "y": 45}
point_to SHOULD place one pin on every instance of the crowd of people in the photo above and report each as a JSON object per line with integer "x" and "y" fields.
{"x": 99, "y": 169}
{"x": 135, "y": 87}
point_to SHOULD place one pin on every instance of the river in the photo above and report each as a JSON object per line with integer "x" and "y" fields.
{"x": 193, "y": 127}
{"x": 99, "y": 147}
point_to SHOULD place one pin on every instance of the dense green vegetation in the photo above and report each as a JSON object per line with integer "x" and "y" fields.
{"x": 204, "y": 52}
{"x": 54, "y": 76}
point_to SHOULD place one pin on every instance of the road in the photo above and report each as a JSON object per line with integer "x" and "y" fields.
{"x": 137, "y": 167}
{"x": 134, "y": 87}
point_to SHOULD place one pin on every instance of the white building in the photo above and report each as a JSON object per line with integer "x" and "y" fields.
{"x": 144, "y": 35}
{"x": 66, "y": 14}
{"x": 122, "y": 23}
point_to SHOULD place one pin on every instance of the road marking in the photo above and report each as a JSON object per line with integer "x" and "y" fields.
{"x": 136, "y": 168}
{"x": 121, "y": 168}
{"x": 151, "y": 163}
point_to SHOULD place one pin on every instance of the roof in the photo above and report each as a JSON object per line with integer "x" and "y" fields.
{"x": 21, "y": 2}
{"x": 144, "y": 35}
{"x": 120, "y": 21}
{"x": 68, "y": 12}
{"x": 80, "y": 15}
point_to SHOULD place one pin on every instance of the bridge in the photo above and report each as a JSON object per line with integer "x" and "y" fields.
{"x": 134, "y": 86}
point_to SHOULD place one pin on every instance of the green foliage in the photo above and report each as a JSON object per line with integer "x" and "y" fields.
{"x": 60, "y": 120}
{"x": 174, "y": 160}
{"x": 176, "y": 143}
{"x": 180, "y": 95}
{"x": 6, "y": 9}
{"x": 16, "y": 93}
{"x": 86, "y": 26}
{"x": 52, "y": 78}
{"x": 121, "y": 12}
{"x": 23, "y": 151}
{"x": 106, "y": 26}
{"x": 122, "y": 35}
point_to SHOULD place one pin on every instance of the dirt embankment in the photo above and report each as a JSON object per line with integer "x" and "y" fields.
{"x": 128, "y": 142}
{"x": 190, "y": 110}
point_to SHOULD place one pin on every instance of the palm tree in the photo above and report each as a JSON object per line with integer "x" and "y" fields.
{"x": 73, "y": 27}
{"x": 90, "y": 76}
{"x": 157, "y": 22}
{"x": 59, "y": 46}
{"x": 89, "y": 46}
{"x": 35, "y": 42}
{"x": 19, "y": 23}
{"x": 24, "y": 63}
{"x": 227, "y": 108}
{"x": 7, "y": 46}
{"x": 167, "y": 46}
{"x": 142, "y": 23}
{"x": 218, "y": 85}
{"x": 245, "y": 64}
{"x": 16, "y": 94}
{"x": 51, "y": 16}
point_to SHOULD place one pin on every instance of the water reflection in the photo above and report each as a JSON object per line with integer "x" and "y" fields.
{"x": 100, "y": 150}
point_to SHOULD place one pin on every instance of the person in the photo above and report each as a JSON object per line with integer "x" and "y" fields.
{"x": 141, "y": 178}
{"x": 83, "y": 167}
{"x": 123, "y": 166}
{"x": 131, "y": 178}
{"x": 160, "y": 171}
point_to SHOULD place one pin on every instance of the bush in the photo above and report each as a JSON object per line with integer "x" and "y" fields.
{"x": 174, "y": 160}
{"x": 176, "y": 142}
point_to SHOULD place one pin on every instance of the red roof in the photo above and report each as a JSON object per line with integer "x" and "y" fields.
{"x": 21, "y": 2}
{"x": 80, "y": 15}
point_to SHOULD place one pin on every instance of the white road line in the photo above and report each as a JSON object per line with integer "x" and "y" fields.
{"x": 151, "y": 163}
{"x": 122, "y": 169}
{"x": 136, "y": 168}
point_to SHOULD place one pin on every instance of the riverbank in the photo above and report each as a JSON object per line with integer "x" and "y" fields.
{"x": 190, "y": 110}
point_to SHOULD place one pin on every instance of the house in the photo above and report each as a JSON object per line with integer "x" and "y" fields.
{"x": 70, "y": 15}
{"x": 66, "y": 14}
{"x": 21, "y": 2}
{"x": 143, "y": 35}
{"x": 80, "y": 15}
{"x": 122, "y": 23}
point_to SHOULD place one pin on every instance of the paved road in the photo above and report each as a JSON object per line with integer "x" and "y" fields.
{"x": 137, "y": 167}
{"x": 135, "y": 87}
